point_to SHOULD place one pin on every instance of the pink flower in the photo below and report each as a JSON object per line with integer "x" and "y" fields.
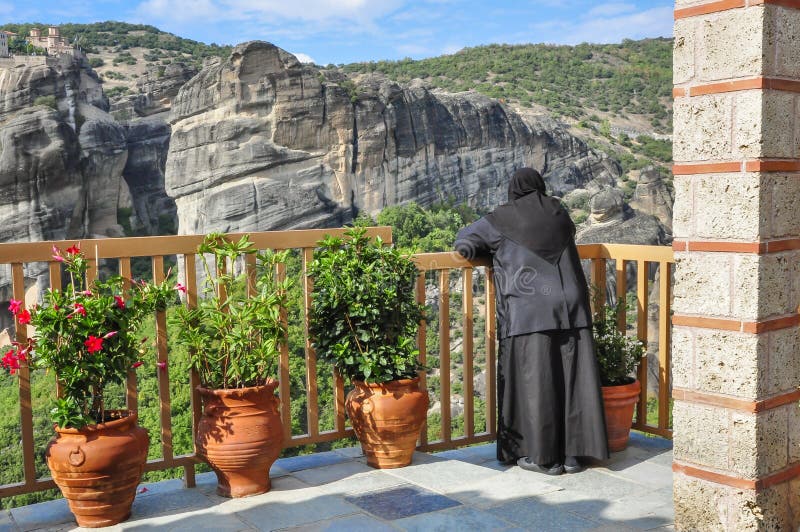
{"x": 14, "y": 306}
{"x": 74, "y": 249}
{"x": 24, "y": 317}
{"x": 179, "y": 287}
{"x": 120, "y": 302}
{"x": 137, "y": 364}
{"x": 57, "y": 254}
{"x": 10, "y": 361}
{"x": 143, "y": 490}
{"x": 93, "y": 344}
{"x": 111, "y": 334}
{"x": 87, "y": 292}
{"x": 161, "y": 365}
{"x": 79, "y": 309}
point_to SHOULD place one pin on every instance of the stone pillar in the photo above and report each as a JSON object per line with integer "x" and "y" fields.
{"x": 736, "y": 348}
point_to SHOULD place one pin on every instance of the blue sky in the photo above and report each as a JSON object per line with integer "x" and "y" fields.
{"x": 343, "y": 31}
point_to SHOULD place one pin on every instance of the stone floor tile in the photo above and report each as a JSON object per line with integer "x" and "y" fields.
{"x": 148, "y": 489}
{"x": 332, "y": 473}
{"x": 42, "y": 515}
{"x": 639, "y": 511}
{"x": 646, "y": 473}
{"x": 400, "y": 502}
{"x": 442, "y": 475}
{"x": 498, "y": 488}
{"x": 273, "y": 514}
{"x": 645, "y": 441}
{"x": 596, "y": 481}
{"x": 363, "y": 482}
{"x": 285, "y": 490}
{"x": 350, "y": 452}
{"x": 662, "y": 459}
{"x": 168, "y": 502}
{"x": 459, "y": 518}
{"x": 482, "y": 452}
{"x": 6, "y": 523}
{"x": 307, "y": 461}
{"x": 453, "y": 454}
{"x": 535, "y": 515}
{"x": 350, "y": 523}
{"x": 198, "y": 520}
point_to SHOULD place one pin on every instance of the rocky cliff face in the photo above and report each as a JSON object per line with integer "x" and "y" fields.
{"x": 262, "y": 142}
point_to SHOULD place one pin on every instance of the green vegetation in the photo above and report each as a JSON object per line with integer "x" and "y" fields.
{"x": 110, "y": 74}
{"x": 633, "y": 77}
{"x": 426, "y": 230}
{"x": 234, "y": 341}
{"x": 364, "y": 315}
{"x": 121, "y": 36}
{"x": 117, "y": 91}
{"x": 49, "y": 101}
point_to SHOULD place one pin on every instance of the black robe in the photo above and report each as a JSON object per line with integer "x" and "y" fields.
{"x": 548, "y": 386}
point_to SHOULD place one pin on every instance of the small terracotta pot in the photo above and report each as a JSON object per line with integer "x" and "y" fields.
{"x": 618, "y": 402}
{"x": 99, "y": 467}
{"x": 387, "y": 419}
{"x": 240, "y": 435}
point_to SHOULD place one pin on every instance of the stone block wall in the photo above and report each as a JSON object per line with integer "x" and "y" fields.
{"x": 736, "y": 345}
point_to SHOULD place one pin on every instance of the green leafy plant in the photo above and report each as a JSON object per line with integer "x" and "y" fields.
{"x": 234, "y": 333}
{"x": 86, "y": 335}
{"x": 617, "y": 354}
{"x": 363, "y": 315}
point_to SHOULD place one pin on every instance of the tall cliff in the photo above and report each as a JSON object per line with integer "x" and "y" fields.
{"x": 256, "y": 142}
{"x": 261, "y": 142}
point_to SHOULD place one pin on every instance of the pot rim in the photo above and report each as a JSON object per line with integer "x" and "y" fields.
{"x": 632, "y": 388}
{"x": 388, "y": 384}
{"x": 131, "y": 418}
{"x": 270, "y": 385}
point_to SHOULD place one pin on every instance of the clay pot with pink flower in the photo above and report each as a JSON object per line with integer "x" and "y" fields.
{"x": 234, "y": 335}
{"x": 86, "y": 335}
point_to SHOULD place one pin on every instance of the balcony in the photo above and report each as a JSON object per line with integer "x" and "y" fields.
{"x": 454, "y": 477}
{"x": 460, "y": 489}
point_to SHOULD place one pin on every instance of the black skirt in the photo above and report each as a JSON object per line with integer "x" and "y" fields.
{"x": 549, "y": 401}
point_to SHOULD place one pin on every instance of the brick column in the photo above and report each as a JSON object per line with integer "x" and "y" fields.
{"x": 736, "y": 347}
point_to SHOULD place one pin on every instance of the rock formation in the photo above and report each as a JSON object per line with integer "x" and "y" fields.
{"x": 159, "y": 87}
{"x": 653, "y": 197}
{"x": 261, "y": 142}
{"x": 611, "y": 220}
{"x": 148, "y": 144}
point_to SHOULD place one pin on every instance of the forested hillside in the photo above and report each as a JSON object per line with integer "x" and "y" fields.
{"x": 631, "y": 78}
{"x": 122, "y": 36}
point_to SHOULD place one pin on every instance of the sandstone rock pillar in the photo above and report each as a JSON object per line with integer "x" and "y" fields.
{"x": 736, "y": 351}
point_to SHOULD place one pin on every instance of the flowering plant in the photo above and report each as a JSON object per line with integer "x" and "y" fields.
{"x": 234, "y": 333}
{"x": 86, "y": 335}
{"x": 618, "y": 355}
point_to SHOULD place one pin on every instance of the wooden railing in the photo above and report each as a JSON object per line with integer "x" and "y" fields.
{"x": 449, "y": 269}
{"x": 647, "y": 260}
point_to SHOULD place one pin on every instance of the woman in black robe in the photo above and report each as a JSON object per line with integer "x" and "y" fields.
{"x": 548, "y": 386}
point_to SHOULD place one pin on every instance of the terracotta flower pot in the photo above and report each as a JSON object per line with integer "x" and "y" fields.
{"x": 387, "y": 419}
{"x": 618, "y": 402}
{"x": 240, "y": 436}
{"x": 99, "y": 467}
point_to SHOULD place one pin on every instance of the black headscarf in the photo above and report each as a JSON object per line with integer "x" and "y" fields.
{"x": 532, "y": 219}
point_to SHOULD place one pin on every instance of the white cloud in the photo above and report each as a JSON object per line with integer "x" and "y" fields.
{"x": 655, "y": 22}
{"x": 304, "y": 58}
{"x": 610, "y": 9}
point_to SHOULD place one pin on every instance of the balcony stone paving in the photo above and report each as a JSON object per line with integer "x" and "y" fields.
{"x": 464, "y": 489}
